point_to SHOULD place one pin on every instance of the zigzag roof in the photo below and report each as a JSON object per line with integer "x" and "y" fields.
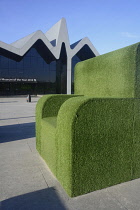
{"x": 53, "y": 40}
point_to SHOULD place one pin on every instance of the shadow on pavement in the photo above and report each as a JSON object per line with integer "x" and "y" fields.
{"x": 46, "y": 199}
{"x": 17, "y": 132}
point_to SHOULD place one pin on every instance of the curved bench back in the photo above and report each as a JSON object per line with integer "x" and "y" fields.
{"x": 114, "y": 75}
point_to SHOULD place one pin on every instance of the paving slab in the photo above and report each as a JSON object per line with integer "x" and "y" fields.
{"x": 26, "y": 181}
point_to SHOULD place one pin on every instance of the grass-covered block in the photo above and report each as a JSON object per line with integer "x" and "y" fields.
{"x": 93, "y": 141}
{"x": 96, "y": 143}
{"x": 46, "y": 112}
{"x": 115, "y": 74}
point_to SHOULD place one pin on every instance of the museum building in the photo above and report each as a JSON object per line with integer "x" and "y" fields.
{"x": 42, "y": 63}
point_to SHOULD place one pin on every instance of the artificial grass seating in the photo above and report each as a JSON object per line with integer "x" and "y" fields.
{"x": 91, "y": 140}
{"x": 115, "y": 74}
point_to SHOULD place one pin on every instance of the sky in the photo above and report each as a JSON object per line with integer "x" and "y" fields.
{"x": 109, "y": 24}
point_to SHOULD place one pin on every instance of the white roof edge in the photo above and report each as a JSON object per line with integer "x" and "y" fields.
{"x": 21, "y": 46}
{"x": 85, "y": 41}
{"x": 19, "y": 43}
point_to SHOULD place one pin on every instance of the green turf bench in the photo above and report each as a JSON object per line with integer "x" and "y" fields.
{"x": 91, "y": 140}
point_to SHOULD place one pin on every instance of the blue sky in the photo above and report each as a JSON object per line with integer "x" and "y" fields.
{"x": 109, "y": 24}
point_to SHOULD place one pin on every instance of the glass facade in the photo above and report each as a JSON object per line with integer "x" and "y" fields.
{"x": 38, "y": 72}
{"x": 31, "y": 66}
{"x": 32, "y": 74}
{"x": 61, "y": 72}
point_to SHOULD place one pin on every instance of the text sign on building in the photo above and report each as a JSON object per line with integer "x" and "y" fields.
{"x": 17, "y": 80}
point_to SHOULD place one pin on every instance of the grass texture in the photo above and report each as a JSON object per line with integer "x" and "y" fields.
{"x": 98, "y": 143}
{"x": 115, "y": 74}
{"x": 92, "y": 142}
{"x": 46, "y": 112}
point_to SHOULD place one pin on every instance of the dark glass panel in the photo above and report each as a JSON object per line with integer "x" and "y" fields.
{"x": 27, "y": 62}
{"x": 61, "y": 71}
{"x": 46, "y": 74}
{"x": 4, "y": 73}
{"x": 85, "y": 53}
{"x": 52, "y": 76}
{"x": 40, "y": 63}
{"x": 46, "y": 67}
{"x": 33, "y": 52}
{"x": 20, "y": 65}
{"x": 33, "y": 62}
{"x": 12, "y": 64}
{"x": 21, "y": 75}
{"x": 12, "y": 73}
{"x": 4, "y": 62}
{"x": 53, "y": 66}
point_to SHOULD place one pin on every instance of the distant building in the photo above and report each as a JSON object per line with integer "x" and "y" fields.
{"x": 42, "y": 63}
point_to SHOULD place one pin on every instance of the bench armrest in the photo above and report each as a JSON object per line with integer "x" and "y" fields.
{"x": 48, "y": 106}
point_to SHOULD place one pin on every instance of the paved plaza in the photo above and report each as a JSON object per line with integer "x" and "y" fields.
{"x": 26, "y": 182}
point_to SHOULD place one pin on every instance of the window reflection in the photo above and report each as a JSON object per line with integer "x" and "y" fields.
{"x": 52, "y": 76}
{"x": 4, "y": 62}
{"x": 31, "y": 66}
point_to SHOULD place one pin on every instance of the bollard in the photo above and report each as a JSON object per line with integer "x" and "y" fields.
{"x": 29, "y": 98}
